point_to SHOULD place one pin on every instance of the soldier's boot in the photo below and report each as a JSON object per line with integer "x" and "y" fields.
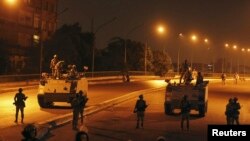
{"x": 137, "y": 125}
{"x": 22, "y": 120}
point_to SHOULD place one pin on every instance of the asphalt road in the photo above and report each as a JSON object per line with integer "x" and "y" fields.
{"x": 96, "y": 94}
{"x": 118, "y": 123}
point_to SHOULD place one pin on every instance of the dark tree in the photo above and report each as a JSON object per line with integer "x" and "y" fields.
{"x": 71, "y": 45}
{"x": 162, "y": 62}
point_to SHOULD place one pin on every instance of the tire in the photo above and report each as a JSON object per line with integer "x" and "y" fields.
{"x": 168, "y": 109}
{"x": 42, "y": 102}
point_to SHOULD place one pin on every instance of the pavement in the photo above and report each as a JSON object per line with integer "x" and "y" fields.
{"x": 45, "y": 127}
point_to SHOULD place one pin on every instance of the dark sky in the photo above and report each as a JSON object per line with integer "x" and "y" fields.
{"x": 219, "y": 20}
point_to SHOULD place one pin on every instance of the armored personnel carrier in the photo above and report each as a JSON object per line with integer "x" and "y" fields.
{"x": 197, "y": 96}
{"x": 59, "y": 90}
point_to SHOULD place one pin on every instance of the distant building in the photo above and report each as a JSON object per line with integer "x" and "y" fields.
{"x": 23, "y": 24}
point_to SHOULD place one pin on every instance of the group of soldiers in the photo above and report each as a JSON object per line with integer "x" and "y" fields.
{"x": 232, "y": 111}
{"x": 56, "y": 69}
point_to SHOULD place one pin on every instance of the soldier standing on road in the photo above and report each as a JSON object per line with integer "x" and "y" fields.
{"x": 20, "y": 104}
{"x": 229, "y": 111}
{"x": 185, "y": 110}
{"x": 83, "y": 100}
{"x": 53, "y": 63}
{"x": 75, "y": 103}
{"x": 236, "y": 107}
{"x": 140, "y": 108}
{"x": 223, "y": 78}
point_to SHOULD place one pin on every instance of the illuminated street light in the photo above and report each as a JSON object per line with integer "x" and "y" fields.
{"x": 161, "y": 29}
{"x": 194, "y": 38}
{"x": 206, "y": 40}
{"x": 248, "y": 50}
{"x": 235, "y": 47}
{"x": 226, "y": 45}
{"x": 11, "y": 2}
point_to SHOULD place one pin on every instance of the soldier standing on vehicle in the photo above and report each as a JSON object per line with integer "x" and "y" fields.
{"x": 185, "y": 110}
{"x": 199, "y": 79}
{"x": 236, "y": 107}
{"x": 83, "y": 100}
{"x": 140, "y": 108}
{"x": 75, "y": 103}
{"x": 53, "y": 63}
{"x": 184, "y": 69}
{"x": 20, "y": 104}
{"x": 229, "y": 111}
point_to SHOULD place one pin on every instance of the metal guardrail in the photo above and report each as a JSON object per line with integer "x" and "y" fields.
{"x": 35, "y": 77}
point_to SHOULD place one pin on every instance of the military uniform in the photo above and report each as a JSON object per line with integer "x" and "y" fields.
{"x": 83, "y": 100}
{"x": 236, "y": 107}
{"x": 53, "y": 63}
{"x": 75, "y": 103}
{"x": 139, "y": 109}
{"x": 185, "y": 110}
{"x": 20, "y": 104}
{"x": 184, "y": 69}
{"x": 229, "y": 112}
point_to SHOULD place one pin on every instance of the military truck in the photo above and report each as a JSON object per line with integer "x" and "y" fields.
{"x": 197, "y": 96}
{"x": 59, "y": 90}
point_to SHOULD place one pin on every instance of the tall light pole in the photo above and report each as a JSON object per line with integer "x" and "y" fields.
{"x": 178, "y": 55}
{"x": 194, "y": 40}
{"x": 125, "y": 46}
{"x": 94, "y": 33}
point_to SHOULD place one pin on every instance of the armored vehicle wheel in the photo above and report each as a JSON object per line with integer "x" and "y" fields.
{"x": 42, "y": 102}
{"x": 168, "y": 109}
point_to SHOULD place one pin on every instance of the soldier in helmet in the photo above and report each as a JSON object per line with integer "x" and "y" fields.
{"x": 20, "y": 104}
{"x": 235, "y": 113}
{"x": 29, "y": 133}
{"x": 185, "y": 110}
{"x": 83, "y": 100}
{"x": 53, "y": 63}
{"x": 75, "y": 103}
{"x": 140, "y": 108}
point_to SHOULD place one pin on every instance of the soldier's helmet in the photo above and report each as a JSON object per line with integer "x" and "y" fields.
{"x": 235, "y": 99}
{"x": 55, "y": 56}
{"x": 141, "y": 96}
{"x": 20, "y": 89}
{"x": 29, "y": 131}
{"x": 161, "y": 138}
{"x": 80, "y": 92}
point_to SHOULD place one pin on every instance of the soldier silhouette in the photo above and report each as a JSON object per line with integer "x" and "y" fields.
{"x": 20, "y": 104}
{"x": 184, "y": 69}
{"x": 75, "y": 103}
{"x": 53, "y": 63}
{"x": 229, "y": 112}
{"x": 185, "y": 110}
{"x": 140, "y": 108}
{"x": 83, "y": 100}
{"x": 236, "y": 107}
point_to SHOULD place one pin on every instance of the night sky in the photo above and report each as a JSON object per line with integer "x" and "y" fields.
{"x": 220, "y": 21}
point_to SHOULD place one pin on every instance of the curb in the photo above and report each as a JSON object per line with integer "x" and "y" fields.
{"x": 91, "y": 82}
{"x": 45, "y": 126}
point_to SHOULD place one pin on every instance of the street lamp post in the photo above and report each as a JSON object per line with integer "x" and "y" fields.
{"x": 178, "y": 55}
{"x": 95, "y": 32}
{"x": 194, "y": 39}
